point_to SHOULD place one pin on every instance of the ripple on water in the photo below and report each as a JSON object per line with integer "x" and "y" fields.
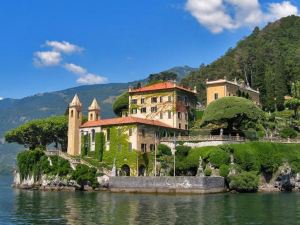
{"x": 34, "y": 207}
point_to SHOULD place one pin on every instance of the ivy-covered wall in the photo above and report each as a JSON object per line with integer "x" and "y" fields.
{"x": 119, "y": 149}
{"x": 99, "y": 145}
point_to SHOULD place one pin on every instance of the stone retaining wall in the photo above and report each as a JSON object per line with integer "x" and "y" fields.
{"x": 167, "y": 184}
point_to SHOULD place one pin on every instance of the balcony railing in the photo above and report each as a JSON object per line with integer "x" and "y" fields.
{"x": 202, "y": 138}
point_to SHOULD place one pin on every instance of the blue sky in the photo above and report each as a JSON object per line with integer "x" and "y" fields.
{"x": 56, "y": 44}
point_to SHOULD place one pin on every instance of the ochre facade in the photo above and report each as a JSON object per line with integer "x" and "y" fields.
{"x": 224, "y": 88}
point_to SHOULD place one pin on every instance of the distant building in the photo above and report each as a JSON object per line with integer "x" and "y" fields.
{"x": 222, "y": 88}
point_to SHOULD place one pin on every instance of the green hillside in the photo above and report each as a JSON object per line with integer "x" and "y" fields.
{"x": 269, "y": 59}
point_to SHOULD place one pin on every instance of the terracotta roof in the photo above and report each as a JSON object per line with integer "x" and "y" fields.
{"x": 124, "y": 120}
{"x": 160, "y": 86}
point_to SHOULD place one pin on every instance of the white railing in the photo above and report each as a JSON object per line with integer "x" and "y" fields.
{"x": 202, "y": 138}
{"x": 281, "y": 140}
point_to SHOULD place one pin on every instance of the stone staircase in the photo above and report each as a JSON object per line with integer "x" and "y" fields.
{"x": 73, "y": 161}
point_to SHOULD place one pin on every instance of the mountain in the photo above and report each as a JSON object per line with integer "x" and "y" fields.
{"x": 182, "y": 71}
{"x": 268, "y": 60}
{"x": 14, "y": 112}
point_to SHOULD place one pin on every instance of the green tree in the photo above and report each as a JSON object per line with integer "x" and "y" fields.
{"x": 293, "y": 104}
{"x": 231, "y": 111}
{"x": 163, "y": 76}
{"x": 40, "y": 133}
{"x": 121, "y": 103}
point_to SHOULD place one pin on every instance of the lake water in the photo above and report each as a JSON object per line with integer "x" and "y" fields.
{"x": 34, "y": 207}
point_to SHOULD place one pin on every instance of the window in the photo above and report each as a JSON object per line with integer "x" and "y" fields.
{"x": 179, "y": 98}
{"x": 93, "y": 135}
{"x": 186, "y": 126}
{"x": 72, "y": 113}
{"x": 169, "y": 98}
{"x": 129, "y": 146}
{"x": 143, "y": 110}
{"x": 134, "y": 111}
{"x": 179, "y": 125}
{"x": 161, "y": 115}
{"x": 161, "y": 99}
{"x": 169, "y": 114}
{"x": 143, "y": 132}
{"x": 186, "y": 116}
{"x": 130, "y": 132}
{"x": 78, "y": 114}
{"x": 142, "y": 100}
{"x": 154, "y": 109}
{"x": 157, "y": 134}
{"x": 134, "y": 101}
{"x": 91, "y": 116}
{"x": 179, "y": 115}
{"x": 152, "y": 147}
{"x": 143, "y": 148}
{"x": 216, "y": 96}
{"x": 108, "y": 134}
{"x": 154, "y": 100}
{"x": 185, "y": 100}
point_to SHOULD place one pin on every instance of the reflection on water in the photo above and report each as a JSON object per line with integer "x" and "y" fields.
{"x": 34, "y": 207}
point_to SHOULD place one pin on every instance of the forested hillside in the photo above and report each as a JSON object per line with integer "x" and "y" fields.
{"x": 268, "y": 59}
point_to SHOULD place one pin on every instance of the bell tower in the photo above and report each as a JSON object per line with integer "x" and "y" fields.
{"x": 94, "y": 111}
{"x": 75, "y": 119}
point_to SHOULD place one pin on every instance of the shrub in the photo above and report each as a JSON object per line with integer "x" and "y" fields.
{"x": 163, "y": 150}
{"x": 60, "y": 166}
{"x": 288, "y": 133}
{"x": 182, "y": 150}
{"x": 32, "y": 163}
{"x": 251, "y": 134}
{"x": 244, "y": 182}
{"x": 207, "y": 171}
{"x": 246, "y": 159}
{"x": 217, "y": 157}
{"x": 269, "y": 159}
{"x": 224, "y": 170}
{"x": 84, "y": 175}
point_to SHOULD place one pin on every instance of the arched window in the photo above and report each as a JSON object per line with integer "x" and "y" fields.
{"x": 93, "y": 135}
{"x": 72, "y": 113}
{"x": 91, "y": 116}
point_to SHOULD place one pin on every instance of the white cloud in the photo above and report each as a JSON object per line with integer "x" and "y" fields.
{"x": 278, "y": 10}
{"x": 47, "y": 58}
{"x": 54, "y": 58}
{"x": 220, "y": 15}
{"x": 84, "y": 76}
{"x": 64, "y": 47}
{"x": 1, "y": 98}
{"x": 75, "y": 68}
{"x": 91, "y": 79}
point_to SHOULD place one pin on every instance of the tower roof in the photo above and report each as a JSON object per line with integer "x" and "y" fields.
{"x": 94, "y": 105}
{"x": 75, "y": 101}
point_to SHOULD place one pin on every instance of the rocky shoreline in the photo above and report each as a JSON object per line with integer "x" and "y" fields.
{"x": 284, "y": 180}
